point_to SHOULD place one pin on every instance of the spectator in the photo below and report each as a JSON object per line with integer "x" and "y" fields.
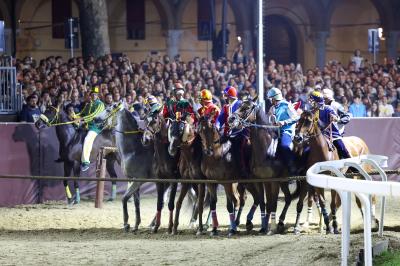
{"x": 374, "y": 111}
{"x": 357, "y": 108}
{"x": 358, "y": 60}
{"x": 385, "y": 109}
{"x": 397, "y": 111}
{"x": 30, "y": 112}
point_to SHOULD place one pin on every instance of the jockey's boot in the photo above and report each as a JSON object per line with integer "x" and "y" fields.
{"x": 85, "y": 166}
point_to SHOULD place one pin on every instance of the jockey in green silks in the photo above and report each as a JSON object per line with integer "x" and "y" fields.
{"x": 91, "y": 114}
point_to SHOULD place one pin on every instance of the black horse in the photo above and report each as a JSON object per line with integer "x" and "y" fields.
{"x": 71, "y": 143}
{"x": 165, "y": 165}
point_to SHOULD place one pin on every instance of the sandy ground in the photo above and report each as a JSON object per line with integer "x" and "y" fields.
{"x": 54, "y": 234}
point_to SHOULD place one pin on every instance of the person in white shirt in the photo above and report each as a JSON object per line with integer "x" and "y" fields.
{"x": 357, "y": 59}
{"x": 385, "y": 109}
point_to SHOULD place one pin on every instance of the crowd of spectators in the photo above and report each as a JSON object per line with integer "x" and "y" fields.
{"x": 363, "y": 88}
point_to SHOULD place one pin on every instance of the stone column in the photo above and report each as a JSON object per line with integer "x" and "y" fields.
{"x": 94, "y": 28}
{"x": 320, "y": 38}
{"x": 173, "y": 42}
{"x": 392, "y": 41}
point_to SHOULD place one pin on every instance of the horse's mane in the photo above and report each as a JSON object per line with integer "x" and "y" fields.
{"x": 261, "y": 117}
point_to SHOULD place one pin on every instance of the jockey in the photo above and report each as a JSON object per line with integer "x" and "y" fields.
{"x": 228, "y": 109}
{"x": 208, "y": 108}
{"x": 327, "y": 122}
{"x": 180, "y": 104}
{"x": 152, "y": 104}
{"x": 90, "y": 115}
{"x": 343, "y": 115}
{"x": 286, "y": 118}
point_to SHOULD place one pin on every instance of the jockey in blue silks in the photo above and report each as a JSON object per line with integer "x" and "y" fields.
{"x": 286, "y": 117}
{"x": 327, "y": 122}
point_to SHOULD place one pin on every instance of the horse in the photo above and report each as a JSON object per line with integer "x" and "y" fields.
{"x": 308, "y": 134}
{"x": 71, "y": 144}
{"x": 136, "y": 160}
{"x": 215, "y": 165}
{"x": 183, "y": 138}
{"x": 264, "y": 165}
{"x": 165, "y": 166}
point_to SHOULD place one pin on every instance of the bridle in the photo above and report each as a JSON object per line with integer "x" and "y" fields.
{"x": 312, "y": 131}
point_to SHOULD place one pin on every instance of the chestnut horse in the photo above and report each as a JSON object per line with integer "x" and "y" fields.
{"x": 308, "y": 134}
{"x": 215, "y": 165}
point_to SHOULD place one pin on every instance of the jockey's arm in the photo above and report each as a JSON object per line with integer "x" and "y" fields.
{"x": 96, "y": 112}
{"x": 344, "y": 117}
{"x": 220, "y": 119}
{"x": 293, "y": 115}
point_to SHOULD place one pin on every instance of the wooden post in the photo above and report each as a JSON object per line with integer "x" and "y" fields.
{"x": 100, "y": 185}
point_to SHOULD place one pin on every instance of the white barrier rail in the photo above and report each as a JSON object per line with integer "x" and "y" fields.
{"x": 363, "y": 189}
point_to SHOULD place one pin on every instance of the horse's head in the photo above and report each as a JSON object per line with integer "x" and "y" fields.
{"x": 245, "y": 114}
{"x": 50, "y": 116}
{"x": 156, "y": 124}
{"x": 210, "y": 137}
{"x": 180, "y": 132}
{"x": 305, "y": 127}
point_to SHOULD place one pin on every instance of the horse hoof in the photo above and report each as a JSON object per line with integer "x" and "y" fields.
{"x": 126, "y": 228}
{"x": 110, "y": 200}
{"x": 154, "y": 230}
{"x": 263, "y": 231}
{"x": 237, "y": 222}
{"x": 200, "y": 232}
{"x": 249, "y": 226}
{"x": 169, "y": 231}
{"x": 281, "y": 228}
{"x": 232, "y": 232}
{"x": 296, "y": 231}
{"x": 270, "y": 233}
{"x": 214, "y": 232}
{"x": 336, "y": 231}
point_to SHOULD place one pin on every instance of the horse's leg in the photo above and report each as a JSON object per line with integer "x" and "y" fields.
{"x": 375, "y": 221}
{"x": 184, "y": 190}
{"x": 77, "y": 172}
{"x": 257, "y": 192}
{"x": 230, "y": 206}
{"x": 193, "y": 193}
{"x": 333, "y": 211}
{"x": 111, "y": 171}
{"x": 136, "y": 200}
{"x": 272, "y": 193}
{"x": 288, "y": 199}
{"x": 212, "y": 189}
{"x": 242, "y": 198}
{"x": 160, "y": 202}
{"x": 200, "y": 204}
{"x": 310, "y": 198}
{"x": 299, "y": 208}
{"x": 322, "y": 202}
{"x": 171, "y": 206}
{"x": 67, "y": 172}
{"x": 131, "y": 191}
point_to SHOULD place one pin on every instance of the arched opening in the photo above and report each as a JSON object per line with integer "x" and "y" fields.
{"x": 280, "y": 41}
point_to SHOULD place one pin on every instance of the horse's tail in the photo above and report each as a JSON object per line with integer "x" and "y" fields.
{"x": 297, "y": 191}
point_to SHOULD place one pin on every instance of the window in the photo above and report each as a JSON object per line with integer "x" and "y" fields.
{"x": 135, "y": 19}
{"x": 61, "y": 10}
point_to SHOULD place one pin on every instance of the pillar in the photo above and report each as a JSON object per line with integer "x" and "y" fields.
{"x": 392, "y": 41}
{"x": 94, "y": 28}
{"x": 173, "y": 41}
{"x": 320, "y": 38}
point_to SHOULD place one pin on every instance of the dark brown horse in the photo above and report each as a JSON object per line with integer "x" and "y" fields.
{"x": 308, "y": 135}
{"x": 216, "y": 166}
{"x": 263, "y": 163}
{"x": 165, "y": 166}
{"x": 183, "y": 138}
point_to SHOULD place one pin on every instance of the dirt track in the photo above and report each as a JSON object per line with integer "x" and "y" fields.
{"x": 54, "y": 234}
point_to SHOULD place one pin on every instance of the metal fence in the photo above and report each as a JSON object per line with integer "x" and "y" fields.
{"x": 10, "y": 90}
